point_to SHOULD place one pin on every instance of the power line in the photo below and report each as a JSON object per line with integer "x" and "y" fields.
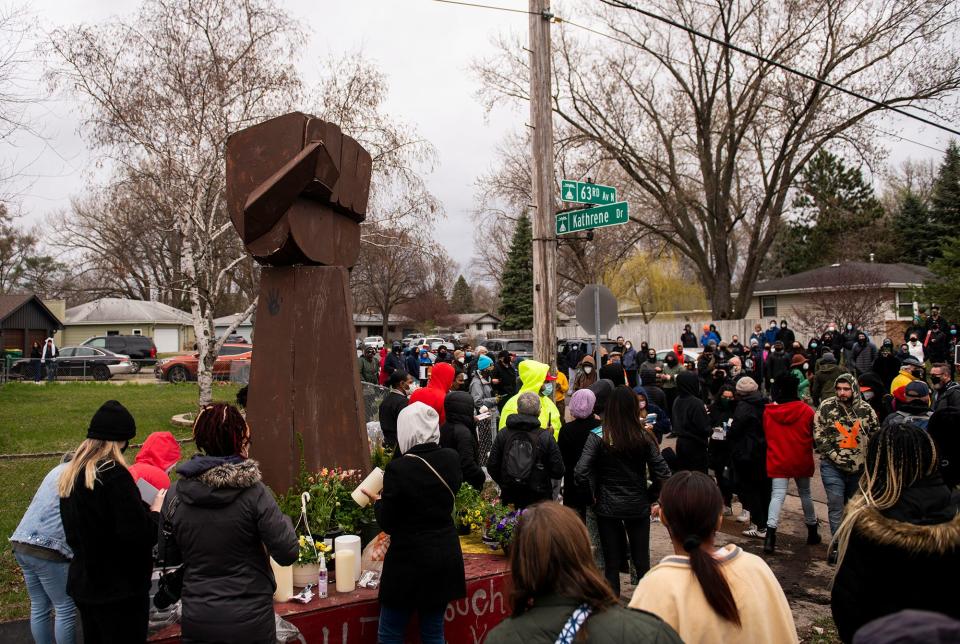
{"x": 487, "y": 6}
{"x": 786, "y": 68}
{"x": 743, "y": 83}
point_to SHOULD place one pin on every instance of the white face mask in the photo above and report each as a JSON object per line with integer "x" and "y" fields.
{"x": 460, "y": 360}
{"x": 587, "y": 370}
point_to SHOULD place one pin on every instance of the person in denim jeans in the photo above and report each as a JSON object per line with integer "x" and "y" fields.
{"x": 841, "y": 428}
{"x": 40, "y": 548}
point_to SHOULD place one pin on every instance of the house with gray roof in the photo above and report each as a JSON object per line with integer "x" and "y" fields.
{"x": 170, "y": 328}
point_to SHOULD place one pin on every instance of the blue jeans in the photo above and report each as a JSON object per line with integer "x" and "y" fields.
{"x": 47, "y": 587}
{"x": 37, "y": 369}
{"x": 778, "y": 496}
{"x": 51, "y": 370}
{"x": 394, "y": 621}
{"x": 840, "y": 486}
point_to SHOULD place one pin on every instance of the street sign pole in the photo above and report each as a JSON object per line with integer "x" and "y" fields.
{"x": 596, "y": 318}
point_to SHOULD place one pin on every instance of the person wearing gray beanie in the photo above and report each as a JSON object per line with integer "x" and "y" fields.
{"x": 573, "y": 436}
{"x": 746, "y": 385}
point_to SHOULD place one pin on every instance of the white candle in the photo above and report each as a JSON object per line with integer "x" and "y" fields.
{"x": 372, "y": 484}
{"x": 345, "y": 581}
{"x": 349, "y": 542}
{"x": 284, "y": 577}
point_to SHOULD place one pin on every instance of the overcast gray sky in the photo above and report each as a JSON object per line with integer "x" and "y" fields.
{"x": 424, "y": 47}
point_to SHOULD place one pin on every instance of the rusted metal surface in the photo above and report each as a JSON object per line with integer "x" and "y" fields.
{"x": 297, "y": 190}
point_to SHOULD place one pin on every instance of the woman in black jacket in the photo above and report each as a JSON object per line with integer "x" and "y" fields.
{"x": 222, "y": 522}
{"x": 899, "y": 543}
{"x": 459, "y": 433}
{"x": 614, "y": 467}
{"x": 423, "y": 570}
{"x": 110, "y": 530}
{"x": 748, "y": 454}
{"x": 691, "y": 424}
{"x": 572, "y": 438}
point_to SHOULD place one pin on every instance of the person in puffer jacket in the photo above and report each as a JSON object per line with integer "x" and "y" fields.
{"x": 614, "y": 466}
{"x": 160, "y": 452}
{"x": 460, "y": 433}
{"x": 223, "y": 523}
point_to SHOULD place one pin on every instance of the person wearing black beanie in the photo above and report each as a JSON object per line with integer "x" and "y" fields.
{"x": 110, "y": 530}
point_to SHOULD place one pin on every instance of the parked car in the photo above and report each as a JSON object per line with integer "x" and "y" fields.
{"x": 693, "y": 354}
{"x": 414, "y": 339}
{"x": 140, "y": 348}
{"x": 374, "y": 341}
{"x": 236, "y": 339}
{"x": 520, "y": 348}
{"x": 183, "y": 368}
{"x": 82, "y": 361}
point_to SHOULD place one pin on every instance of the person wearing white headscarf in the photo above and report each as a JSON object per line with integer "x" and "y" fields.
{"x": 416, "y": 510}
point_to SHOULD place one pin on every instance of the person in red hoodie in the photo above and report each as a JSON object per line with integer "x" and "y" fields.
{"x": 788, "y": 428}
{"x": 433, "y": 395}
{"x": 160, "y": 452}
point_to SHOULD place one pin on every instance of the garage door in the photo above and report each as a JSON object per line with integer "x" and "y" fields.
{"x": 166, "y": 340}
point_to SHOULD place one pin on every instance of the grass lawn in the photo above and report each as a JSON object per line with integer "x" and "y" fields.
{"x": 53, "y": 418}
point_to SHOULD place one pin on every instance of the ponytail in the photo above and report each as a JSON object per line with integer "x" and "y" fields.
{"x": 714, "y": 585}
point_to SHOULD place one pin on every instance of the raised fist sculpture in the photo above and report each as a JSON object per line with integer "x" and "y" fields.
{"x": 297, "y": 190}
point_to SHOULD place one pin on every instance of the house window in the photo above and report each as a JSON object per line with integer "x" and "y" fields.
{"x": 479, "y": 327}
{"x": 113, "y": 332}
{"x": 137, "y": 332}
{"x": 768, "y": 306}
{"x": 905, "y": 305}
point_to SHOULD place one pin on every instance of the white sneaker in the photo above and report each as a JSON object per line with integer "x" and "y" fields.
{"x": 754, "y": 531}
{"x": 744, "y": 517}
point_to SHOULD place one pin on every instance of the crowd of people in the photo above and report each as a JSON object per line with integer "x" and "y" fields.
{"x": 583, "y": 451}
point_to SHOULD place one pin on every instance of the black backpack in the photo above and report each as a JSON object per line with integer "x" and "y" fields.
{"x": 521, "y": 461}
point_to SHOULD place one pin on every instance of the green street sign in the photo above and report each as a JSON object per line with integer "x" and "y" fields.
{"x": 609, "y": 215}
{"x": 579, "y": 192}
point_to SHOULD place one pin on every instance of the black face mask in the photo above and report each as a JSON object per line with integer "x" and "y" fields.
{"x": 671, "y": 361}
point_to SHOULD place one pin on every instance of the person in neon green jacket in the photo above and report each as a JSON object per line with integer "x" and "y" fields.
{"x": 535, "y": 377}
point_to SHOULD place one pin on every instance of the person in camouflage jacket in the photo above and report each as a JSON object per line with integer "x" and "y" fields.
{"x": 841, "y": 427}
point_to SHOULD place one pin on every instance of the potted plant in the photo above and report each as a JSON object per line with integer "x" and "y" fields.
{"x": 501, "y": 526}
{"x": 307, "y": 568}
{"x": 468, "y": 509}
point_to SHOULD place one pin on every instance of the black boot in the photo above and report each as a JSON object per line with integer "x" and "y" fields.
{"x": 813, "y": 535}
{"x": 770, "y": 543}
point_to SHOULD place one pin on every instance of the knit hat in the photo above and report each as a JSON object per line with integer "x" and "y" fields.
{"x": 484, "y": 363}
{"x": 916, "y": 389}
{"x": 798, "y": 360}
{"x": 581, "y": 403}
{"x": 112, "y": 422}
{"x": 504, "y": 354}
{"x": 828, "y": 358}
{"x": 746, "y": 385}
{"x": 910, "y": 360}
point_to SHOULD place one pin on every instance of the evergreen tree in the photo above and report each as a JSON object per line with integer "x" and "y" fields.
{"x": 945, "y": 287}
{"x": 945, "y": 200}
{"x": 461, "y": 300}
{"x": 516, "y": 287}
{"x": 914, "y": 228}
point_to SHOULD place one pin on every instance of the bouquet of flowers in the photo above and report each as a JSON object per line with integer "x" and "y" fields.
{"x": 469, "y": 509}
{"x": 501, "y": 526}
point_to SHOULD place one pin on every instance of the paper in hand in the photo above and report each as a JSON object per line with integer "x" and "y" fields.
{"x": 147, "y": 492}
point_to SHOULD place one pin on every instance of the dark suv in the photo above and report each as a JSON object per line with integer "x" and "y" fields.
{"x": 140, "y": 348}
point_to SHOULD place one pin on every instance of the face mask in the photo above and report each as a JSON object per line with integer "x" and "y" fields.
{"x": 849, "y": 327}
{"x": 671, "y": 361}
{"x": 587, "y": 370}
{"x": 862, "y": 341}
{"x": 469, "y": 355}
{"x": 726, "y": 402}
{"x": 779, "y": 350}
{"x": 628, "y": 345}
{"x": 867, "y": 395}
{"x": 813, "y": 345}
{"x": 953, "y": 332}
{"x": 461, "y": 360}
{"x": 548, "y": 389}
{"x": 935, "y": 380}
{"x": 783, "y": 326}
{"x": 773, "y": 326}
{"x": 806, "y": 366}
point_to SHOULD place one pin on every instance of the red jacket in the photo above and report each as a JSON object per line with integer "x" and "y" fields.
{"x": 441, "y": 377}
{"x": 788, "y": 428}
{"x": 158, "y": 453}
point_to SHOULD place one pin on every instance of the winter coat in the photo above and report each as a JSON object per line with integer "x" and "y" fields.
{"x": 159, "y": 453}
{"x": 582, "y": 379}
{"x": 787, "y": 336}
{"x": 412, "y": 363}
{"x": 825, "y": 381}
{"x": 688, "y": 340}
{"x": 629, "y": 359}
{"x": 707, "y": 337}
{"x": 483, "y": 394}
{"x": 948, "y": 397}
{"x": 433, "y": 395}
{"x": 393, "y": 362}
{"x": 803, "y": 386}
{"x": 573, "y": 436}
{"x": 549, "y": 462}
{"x": 691, "y": 424}
{"x": 770, "y": 335}
{"x": 369, "y": 370}
{"x": 863, "y": 356}
{"x": 542, "y": 623}
{"x": 840, "y": 431}
{"x": 663, "y": 426}
{"x": 424, "y": 564}
{"x": 507, "y": 382}
{"x": 777, "y": 363}
{"x": 886, "y": 366}
{"x": 41, "y": 525}
{"x": 746, "y": 440}
{"x": 899, "y": 386}
{"x": 111, "y": 533}
{"x": 459, "y": 433}
{"x": 788, "y": 430}
{"x": 672, "y": 371}
{"x": 916, "y": 349}
{"x": 905, "y": 557}
{"x": 50, "y": 351}
{"x": 618, "y": 480}
{"x": 224, "y": 524}
{"x": 937, "y": 348}
{"x": 532, "y": 375}
{"x": 390, "y": 407}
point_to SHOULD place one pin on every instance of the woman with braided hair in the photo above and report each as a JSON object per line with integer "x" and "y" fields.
{"x": 222, "y": 522}
{"x": 899, "y": 542}
{"x": 732, "y": 595}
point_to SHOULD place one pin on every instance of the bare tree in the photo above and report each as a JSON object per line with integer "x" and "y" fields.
{"x": 847, "y": 293}
{"x": 164, "y": 91}
{"x": 711, "y": 140}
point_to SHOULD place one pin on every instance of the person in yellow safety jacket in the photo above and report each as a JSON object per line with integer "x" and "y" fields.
{"x": 535, "y": 377}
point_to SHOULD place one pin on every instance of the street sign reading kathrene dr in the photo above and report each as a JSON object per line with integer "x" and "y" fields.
{"x": 598, "y": 217}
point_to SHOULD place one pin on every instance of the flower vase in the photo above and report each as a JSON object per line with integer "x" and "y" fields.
{"x": 304, "y": 574}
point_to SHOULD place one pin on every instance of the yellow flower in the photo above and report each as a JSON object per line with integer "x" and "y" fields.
{"x": 303, "y": 541}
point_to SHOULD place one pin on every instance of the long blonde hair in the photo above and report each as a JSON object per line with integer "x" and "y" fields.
{"x": 86, "y": 458}
{"x": 896, "y": 457}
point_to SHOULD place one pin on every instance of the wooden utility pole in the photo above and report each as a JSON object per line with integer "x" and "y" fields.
{"x": 544, "y": 230}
